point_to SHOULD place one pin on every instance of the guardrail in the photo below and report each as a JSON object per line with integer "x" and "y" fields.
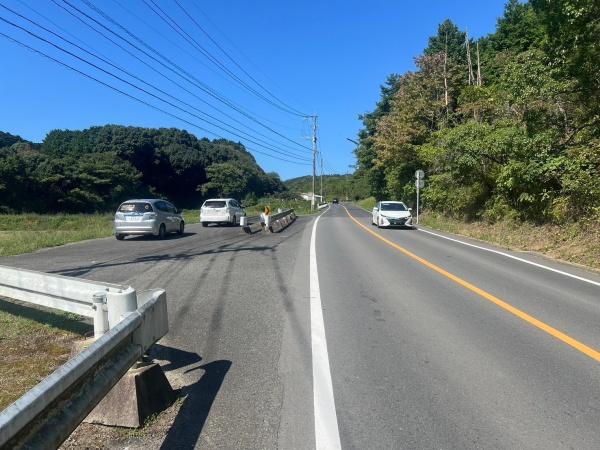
{"x": 47, "y": 414}
{"x": 103, "y": 302}
{"x": 281, "y": 218}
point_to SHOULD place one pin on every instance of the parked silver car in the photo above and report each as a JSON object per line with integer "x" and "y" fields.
{"x": 154, "y": 217}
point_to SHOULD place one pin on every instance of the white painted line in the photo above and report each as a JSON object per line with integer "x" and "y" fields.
{"x": 541, "y": 266}
{"x": 326, "y": 426}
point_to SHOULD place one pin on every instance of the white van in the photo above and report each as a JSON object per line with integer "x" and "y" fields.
{"x": 221, "y": 210}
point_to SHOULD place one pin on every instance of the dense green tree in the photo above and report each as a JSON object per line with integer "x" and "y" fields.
{"x": 523, "y": 143}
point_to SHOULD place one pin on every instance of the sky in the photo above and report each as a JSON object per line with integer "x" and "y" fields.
{"x": 324, "y": 58}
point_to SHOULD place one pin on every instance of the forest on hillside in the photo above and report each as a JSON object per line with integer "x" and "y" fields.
{"x": 340, "y": 186}
{"x": 96, "y": 169}
{"x": 504, "y": 126}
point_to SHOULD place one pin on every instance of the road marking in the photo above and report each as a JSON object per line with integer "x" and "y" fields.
{"x": 588, "y": 351}
{"x": 541, "y": 266}
{"x": 567, "y": 274}
{"x": 326, "y": 426}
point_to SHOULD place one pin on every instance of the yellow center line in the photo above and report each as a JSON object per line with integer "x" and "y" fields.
{"x": 589, "y": 351}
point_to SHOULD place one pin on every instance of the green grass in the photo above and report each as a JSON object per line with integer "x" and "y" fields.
{"x": 23, "y": 233}
{"x": 34, "y": 343}
{"x": 301, "y": 207}
{"x": 577, "y": 242}
{"x": 367, "y": 203}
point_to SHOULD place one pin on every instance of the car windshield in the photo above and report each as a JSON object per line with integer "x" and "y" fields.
{"x": 138, "y": 207}
{"x": 214, "y": 204}
{"x": 393, "y": 207}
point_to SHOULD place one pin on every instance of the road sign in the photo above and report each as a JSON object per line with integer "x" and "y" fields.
{"x": 420, "y": 183}
{"x": 420, "y": 174}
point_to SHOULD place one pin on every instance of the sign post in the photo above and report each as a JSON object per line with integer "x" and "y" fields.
{"x": 419, "y": 183}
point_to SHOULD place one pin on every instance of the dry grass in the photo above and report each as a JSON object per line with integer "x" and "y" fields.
{"x": 34, "y": 343}
{"x": 578, "y": 243}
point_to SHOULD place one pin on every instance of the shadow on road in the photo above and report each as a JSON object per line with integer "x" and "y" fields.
{"x": 199, "y": 397}
{"x": 82, "y": 270}
{"x": 168, "y": 237}
{"x": 177, "y": 358}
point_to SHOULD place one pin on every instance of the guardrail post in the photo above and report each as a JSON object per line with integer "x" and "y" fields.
{"x": 243, "y": 221}
{"x": 100, "y": 314}
{"x": 119, "y": 304}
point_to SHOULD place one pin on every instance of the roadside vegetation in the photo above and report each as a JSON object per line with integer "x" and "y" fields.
{"x": 576, "y": 242}
{"x": 254, "y": 207}
{"x": 34, "y": 343}
{"x": 506, "y": 127}
{"x": 25, "y": 233}
{"x": 367, "y": 203}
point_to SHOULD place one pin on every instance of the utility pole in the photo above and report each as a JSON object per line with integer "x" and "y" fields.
{"x": 321, "y": 154}
{"x": 312, "y": 201}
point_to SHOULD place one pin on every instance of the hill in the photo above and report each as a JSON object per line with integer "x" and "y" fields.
{"x": 97, "y": 168}
{"x": 340, "y": 186}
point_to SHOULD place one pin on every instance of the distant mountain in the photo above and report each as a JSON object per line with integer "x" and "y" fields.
{"x": 333, "y": 185}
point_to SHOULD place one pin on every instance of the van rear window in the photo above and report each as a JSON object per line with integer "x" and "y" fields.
{"x": 214, "y": 204}
{"x": 139, "y": 207}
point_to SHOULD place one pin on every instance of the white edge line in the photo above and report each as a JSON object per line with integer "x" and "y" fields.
{"x": 326, "y": 426}
{"x": 541, "y": 266}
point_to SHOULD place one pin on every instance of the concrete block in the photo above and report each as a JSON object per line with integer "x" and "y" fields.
{"x": 141, "y": 392}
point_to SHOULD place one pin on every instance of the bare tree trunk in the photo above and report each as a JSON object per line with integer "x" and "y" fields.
{"x": 469, "y": 63}
{"x": 479, "y": 81}
{"x": 446, "y": 76}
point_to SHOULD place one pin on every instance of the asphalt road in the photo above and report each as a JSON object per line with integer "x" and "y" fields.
{"x": 429, "y": 343}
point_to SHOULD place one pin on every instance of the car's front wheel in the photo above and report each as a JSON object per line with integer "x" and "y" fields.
{"x": 181, "y": 228}
{"x": 204, "y": 224}
{"x": 233, "y": 221}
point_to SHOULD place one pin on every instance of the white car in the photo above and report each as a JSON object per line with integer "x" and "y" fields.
{"x": 221, "y": 210}
{"x": 392, "y": 214}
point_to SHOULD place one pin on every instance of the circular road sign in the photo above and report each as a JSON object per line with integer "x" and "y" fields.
{"x": 420, "y": 174}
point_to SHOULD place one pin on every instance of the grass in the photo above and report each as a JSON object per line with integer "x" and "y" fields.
{"x": 301, "y": 207}
{"x": 367, "y": 203}
{"x": 34, "y": 343}
{"x": 577, "y": 242}
{"x": 23, "y": 233}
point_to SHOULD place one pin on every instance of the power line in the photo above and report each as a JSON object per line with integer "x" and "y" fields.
{"x": 133, "y": 55}
{"x": 194, "y": 43}
{"x": 146, "y": 91}
{"x": 133, "y": 76}
{"x": 86, "y": 75}
{"x": 186, "y": 75}
{"x": 235, "y": 62}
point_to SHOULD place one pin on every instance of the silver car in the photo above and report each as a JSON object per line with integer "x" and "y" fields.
{"x": 154, "y": 217}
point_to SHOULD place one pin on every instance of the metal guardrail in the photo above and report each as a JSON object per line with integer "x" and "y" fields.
{"x": 70, "y": 294}
{"x": 47, "y": 414}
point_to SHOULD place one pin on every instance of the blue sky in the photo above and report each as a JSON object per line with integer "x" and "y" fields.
{"x": 321, "y": 57}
